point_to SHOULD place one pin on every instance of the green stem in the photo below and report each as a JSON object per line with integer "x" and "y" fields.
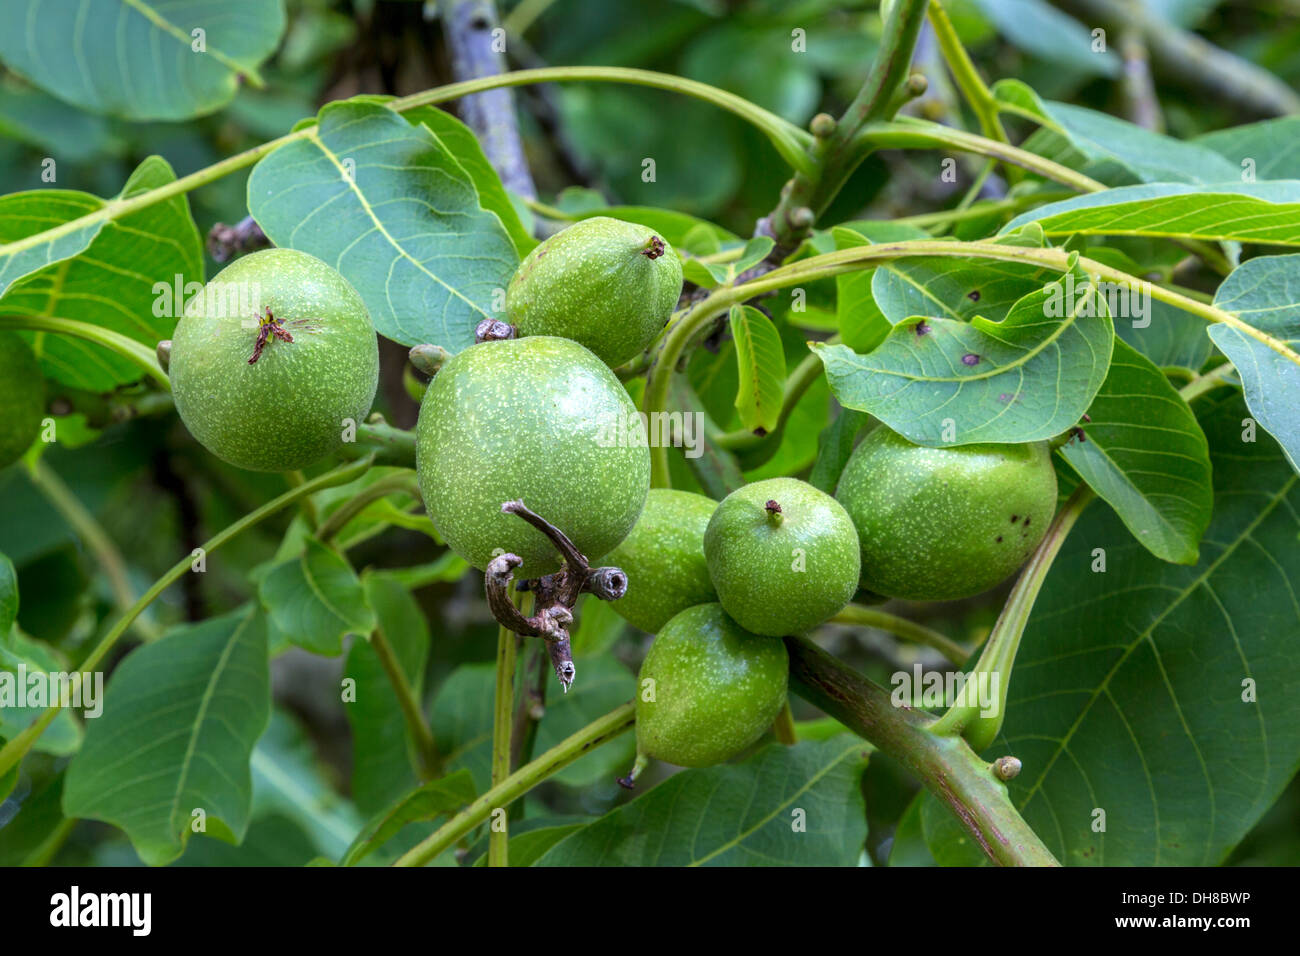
{"x": 296, "y": 478}
{"x": 860, "y": 616}
{"x": 17, "y": 747}
{"x": 908, "y": 132}
{"x": 783, "y": 726}
{"x": 1201, "y": 384}
{"x": 946, "y": 765}
{"x": 389, "y": 445}
{"x": 968, "y": 718}
{"x": 972, "y": 87}
{"x": 503, "y": 794}
{"x": 402, "y": 482}
{"x": 115, "y": 342}
{"x": 426, "y": 748}
{"x": 94, "y": 537}
{"x": 502, "y": 729}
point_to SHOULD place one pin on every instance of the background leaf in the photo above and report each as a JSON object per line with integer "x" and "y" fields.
{"x": 737, "y": 815}
{"x": 136, "y": 59}
{"x": 406, "y": 227}
{"x": 1037, "y": 27}
{"x": 1146, "y": 455}
{"x": 180, "y": 720}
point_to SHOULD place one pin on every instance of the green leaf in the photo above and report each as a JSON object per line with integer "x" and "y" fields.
{"x": 909, "y": 847}
{"x": 464, "y": 145}
{"x": 862, "y": 324}
{"x": 784, "y": 806}
{"x": 29, "y": 213}
{"x": 426, "y": 802}
{"x": 1037, "y": 27}
{"x": 1165, "y": 695}
{"x": 761, "y": 364}
{"x": 381, "y": 746}
{"x": 941, "y": 382}
{"x": 315, "y": 599}
{"x": 140, "y": 59}
{"x": 180, "y": 721}
{"x": 1269, "y": 149}
{"x": 1265, "y": 292}
{"x": 1103, "y": 142}
{"x": 129, "y": 274}
{"x": 22, "y": 657}
{"x": 1145, "y": 454}
{"x": 528, "y": 847}
{"x": 1258, "y": 212}
{"x": 8, "y": 594}
{"x": 390, "y": 206}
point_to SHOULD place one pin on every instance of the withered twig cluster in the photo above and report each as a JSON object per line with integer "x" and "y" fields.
{"x": 555, "y": 594}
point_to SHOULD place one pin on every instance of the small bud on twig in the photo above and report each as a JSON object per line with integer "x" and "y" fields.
{"x": 1006, "y": 768}
{"x": 493, "y": 330}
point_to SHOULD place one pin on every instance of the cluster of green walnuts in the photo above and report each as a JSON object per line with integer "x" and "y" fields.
{"x": 525, "y": 418}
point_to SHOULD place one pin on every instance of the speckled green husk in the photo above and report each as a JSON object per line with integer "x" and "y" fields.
{"x": 782, "y": 576}
{"x": 22, "y": 397}
{"x": 943, "y": 523}
{"x": 593, "y": 283}
{"x": 716, "y": 688}
{"x": 663, "y": 558}
{"x": 287, "y": 410}
{"x": 529, "y": 419}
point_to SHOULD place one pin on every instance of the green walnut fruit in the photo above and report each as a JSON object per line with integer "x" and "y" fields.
{"x": 608, "y": 284}
{"x": 942, "y": 523}
{"x": 536, "y": 419}
{"x": 274, "y": 362}
{"x": 708, "y": 688}
{"x": 782, "y": 555}
{"x": 663, "y": 558}
{"x": 22, "y": 397}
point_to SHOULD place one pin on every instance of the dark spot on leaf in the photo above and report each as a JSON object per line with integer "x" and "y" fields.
{"x": 970, "y": 358}
{"x": 973, "y": 295}
{"x": 999, "y": 539}
{"x": 1015, "y": 518}
{"x": 1026, "y": 521}
{"x": 760, "y": 431}
{"x": 922, "y": 328}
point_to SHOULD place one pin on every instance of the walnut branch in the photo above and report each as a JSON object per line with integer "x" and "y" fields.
{"x": 556, "y": 594}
